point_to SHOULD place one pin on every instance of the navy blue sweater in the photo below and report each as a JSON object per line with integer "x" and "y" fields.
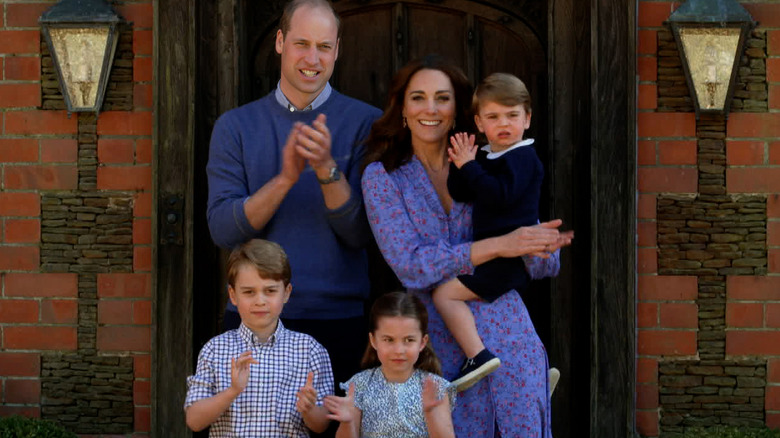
{"x": 325, "y": 247}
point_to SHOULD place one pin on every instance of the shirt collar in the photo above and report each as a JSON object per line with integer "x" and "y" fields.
{"x": 493, "y": 155}
{"x": 247, "y": 336}
{"x": 317, "y": 102}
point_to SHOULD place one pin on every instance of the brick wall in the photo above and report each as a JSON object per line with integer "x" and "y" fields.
{"x": 75, "y": 233}
{"x": 708, "y": 240}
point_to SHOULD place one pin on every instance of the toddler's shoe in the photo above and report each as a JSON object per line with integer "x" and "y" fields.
{"x": 475, "y": 369}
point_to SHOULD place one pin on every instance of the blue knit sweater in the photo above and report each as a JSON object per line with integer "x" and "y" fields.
{"x": 325, "y": 247}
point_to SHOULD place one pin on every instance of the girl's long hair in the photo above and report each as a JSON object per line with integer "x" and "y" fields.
{"x": 408, "y": 306}
{"x": 390, "y": 141}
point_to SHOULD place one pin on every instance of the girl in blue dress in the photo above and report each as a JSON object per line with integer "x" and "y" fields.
{"x": 401, "y": 392}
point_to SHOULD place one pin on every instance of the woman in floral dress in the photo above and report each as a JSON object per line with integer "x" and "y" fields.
{"x": 425, "y": 237}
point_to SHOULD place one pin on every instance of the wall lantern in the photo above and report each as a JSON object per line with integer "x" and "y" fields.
{"x": 82, "y": 37}
{"x": 710, "y": 36}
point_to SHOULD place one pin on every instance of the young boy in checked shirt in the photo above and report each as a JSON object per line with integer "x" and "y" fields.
{"x": 261, "y": 379}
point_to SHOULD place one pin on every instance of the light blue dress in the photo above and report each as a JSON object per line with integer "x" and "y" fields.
{"x": 394, "y": 410}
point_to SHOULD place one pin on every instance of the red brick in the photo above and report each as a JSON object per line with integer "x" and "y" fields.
{"x": 774, "y": 152}
{"x": 124, "y": 285}
{"x": 19, "y": 258}
{"x": 667, "y": 342}
{"x": 647, "y": 260}
{"x": 646, "y": 233}
{"x": 773, "y": 315}
{"x": 646, "y": 370}
{"x": 22, "y": 230}
{"x": 774, "y": 97}
{"x": 752, "y": 343}
{"x": 143, "y": 42}
{"x": 39, "y": 337}
{"x": 773, "y": 205}
{"x": 115, "y": 150}
{"x": 22, "y": 68}
{"x": 648, "y": 42}
{"x": 668, "y": 179}
{"x": 646, "y": 208}
{"x": 142, "y": 231}
{"x": 18, "y": 311}
{"x": 773, "y": 420}
{"x": 142, "y": 366}
{"x": 34, "y": 122}
{"x": 772, "y": 398}
{"x": 142, "y": 70}
{"x": 20, "y": 41}
{"x": 142, "y": 393}
{"x": 124, "y": 178}
{"x": 142, "y": 258}
{"x": 141, "y": 14}
{"x": 753, "y": 180}
{"x": 773, "y": 259}
{"x": 25, "y": 411}
{"x": 767, "y": 15}
{"x": 124, "y": 338}
{"x": 23, "y": 391}
{"x": 115, "y": 312}
{"x": 41, "y": 285}
{"x": 142, "y": 206}
{"x": 773, "y": 42}
{"x": 773, "y": 370}
{"x": 647, "y": 66}
{"x": 653, "y": 14}
{"x": 18, "y": 150}
{"x": 647, "y": 423}
{"x": 56, "y": 177}
{"x": 25, "y": 14}
{"x": 648, "y": 96}
{"x": 753, "y": 288}
{"x": 647, "y": 315}
{"x": 20, "y": 95}
{"x": 744, "y": 315}
{"x": 677, "y": 152}
{"x": 754, "y": 125}
{"x": 142, "y": 312}
{"x": 59, "y": 311}
{"x": 773, "y": 233}
{"x": 646, "y": 155}
{"x": 19, "y": 204}
{"x": 646, "y": 396}
{"x": 20, "y": 364}
{"x": 142, "y": 96}
{"x": 142, "y": 419}
{"x": 679, "y": 315}
{"x": 125, "y": 123}
{"x": 744, "y": 153}
{"x": 143, "y": 151}
{"x": 666, "y": 125}
{"x": 59, "y": 150}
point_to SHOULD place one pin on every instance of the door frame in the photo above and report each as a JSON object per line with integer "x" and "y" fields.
{"x": 593, "y": 104}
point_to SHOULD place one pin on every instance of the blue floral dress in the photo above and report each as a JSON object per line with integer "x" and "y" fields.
{"x": 393, "y": 410}
{"x": 425, "y": 246}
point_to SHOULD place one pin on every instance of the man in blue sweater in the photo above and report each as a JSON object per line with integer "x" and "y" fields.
{"x": 286, "y": 168}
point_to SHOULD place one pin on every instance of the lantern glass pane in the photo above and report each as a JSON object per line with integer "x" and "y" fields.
{"x": 80, "y": 53}
{"x": 710, "y": 53}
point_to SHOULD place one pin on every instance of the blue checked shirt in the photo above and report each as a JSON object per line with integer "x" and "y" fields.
{"x": 266, "y": 408}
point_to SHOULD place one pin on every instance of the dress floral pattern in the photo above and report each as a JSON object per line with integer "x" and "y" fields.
{"x": 425, "y": 246}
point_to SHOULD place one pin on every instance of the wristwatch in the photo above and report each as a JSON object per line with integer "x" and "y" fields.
{"x": 333, "y": 176}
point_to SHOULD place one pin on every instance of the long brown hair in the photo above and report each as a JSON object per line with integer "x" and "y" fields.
{"x": 389, "y": 141}
{"x": 408, "y": 306}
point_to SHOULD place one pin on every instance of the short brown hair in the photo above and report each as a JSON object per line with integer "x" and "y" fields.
{"x": 293, "y": 5}
{"x": 409, "y": 306}
{"x": 267, "y": 257}
{"x": 504, "y": 89}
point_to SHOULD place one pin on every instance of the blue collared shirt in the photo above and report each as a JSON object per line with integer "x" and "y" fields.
{"x": 266, "y": 407}
{"x": 318, "y": 101}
